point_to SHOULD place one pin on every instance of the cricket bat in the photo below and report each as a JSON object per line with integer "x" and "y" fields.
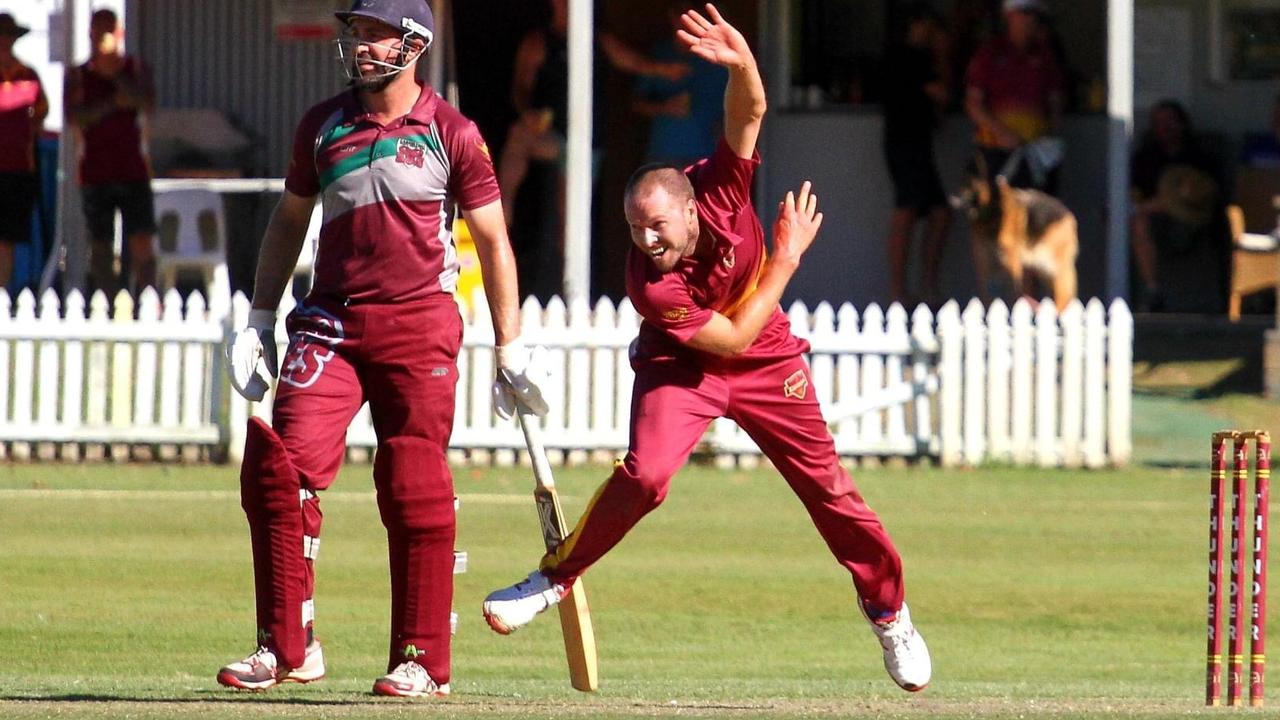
{"x": 575, "y": 616}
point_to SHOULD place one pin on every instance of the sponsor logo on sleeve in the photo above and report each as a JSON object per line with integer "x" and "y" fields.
{"x": 676, "y": 314}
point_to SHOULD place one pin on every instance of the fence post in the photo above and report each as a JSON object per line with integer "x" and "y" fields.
{"x": 50, "y": 364}
{"x": 122, "y": 366}
{"x": 951, "y": 380}
{"x": 1023, "y": 371}
{"x": 144, "y": 385}
{"x": 9, "y": 379}
{"x": 1095, "y": 363}
{"x": 1120, "y": 382}
{"x": 237, "y": 407}
{"x": 848, "y": 375}
{"x": 923, "y": 341}
{"x": 975, "y": 378}
{"x": 1046, "y": 384}
{"x": 1072, "y": 385}
{"x": 73, "y": 363}
{"x": 998, "y": 365}
{"x": 873, "y": 374}
{"x": 897, "y": 336}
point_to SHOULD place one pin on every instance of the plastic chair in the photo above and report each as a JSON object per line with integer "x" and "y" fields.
{"x": 191, "y": 235}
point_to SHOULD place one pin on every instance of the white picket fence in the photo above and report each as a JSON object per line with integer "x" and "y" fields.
{"x": 1020, "y": 387}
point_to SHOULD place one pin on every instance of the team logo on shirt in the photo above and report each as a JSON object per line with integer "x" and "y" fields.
{"x": 676, "y": 314}
{"x": 409, "y": 152}
{"x": 483, "y": 146}
{"x": 796, "y": 385}
{"x": 729, "y": 259}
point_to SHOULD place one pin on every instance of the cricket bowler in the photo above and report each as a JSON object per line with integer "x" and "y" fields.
{"x": 714, "y": 343}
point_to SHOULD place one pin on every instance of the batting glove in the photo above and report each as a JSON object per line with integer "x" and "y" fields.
{"x": 251, "y": 356}
{"x": 522, "y": 371}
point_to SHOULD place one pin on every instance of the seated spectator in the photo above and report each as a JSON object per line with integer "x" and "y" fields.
{"x": 1179, "y": 230}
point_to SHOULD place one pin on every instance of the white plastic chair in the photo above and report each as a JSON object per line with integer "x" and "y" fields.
{"x": 307, "y": 257}
{"x": 191, "y": 234}
{"x": 304, "y": 270}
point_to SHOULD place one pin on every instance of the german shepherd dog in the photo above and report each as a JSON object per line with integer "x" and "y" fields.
{"x": 1031, "y": 233}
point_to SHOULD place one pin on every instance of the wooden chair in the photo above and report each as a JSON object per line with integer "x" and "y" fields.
{"x": 1255, "y": 252}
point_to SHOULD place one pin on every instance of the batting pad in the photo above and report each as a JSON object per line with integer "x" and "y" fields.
{"x": 269, "y": 494}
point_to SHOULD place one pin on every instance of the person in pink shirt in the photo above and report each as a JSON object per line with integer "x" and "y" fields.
{"x": 714, "y": 343}
{"x": 23, "y": 108}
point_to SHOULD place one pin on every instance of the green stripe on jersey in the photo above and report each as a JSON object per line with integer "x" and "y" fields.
{"x": 386, "y": 147}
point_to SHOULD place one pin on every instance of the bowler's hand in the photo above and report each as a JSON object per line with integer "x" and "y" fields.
{"x": 251, "y": 356}
{"x": 714, "y": 40}
{"x": 522, "y": 371}
{"x": 797, "y": 224}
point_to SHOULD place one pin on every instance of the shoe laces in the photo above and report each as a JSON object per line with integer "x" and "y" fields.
{"x": 413, "y": 671}
{"x": 898, "y": 636}
{"x": 262, "y": 657}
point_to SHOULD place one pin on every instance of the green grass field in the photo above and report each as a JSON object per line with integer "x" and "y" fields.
{"x": 1062, "y": 594}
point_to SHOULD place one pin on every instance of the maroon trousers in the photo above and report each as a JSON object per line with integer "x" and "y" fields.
{"x": 672, "y": 406}
{"x": 402, "y": 360}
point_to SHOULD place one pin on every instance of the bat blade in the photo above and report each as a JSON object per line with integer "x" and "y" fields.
{"x": 575, "y": 614}
{"x": 579, "y": 639}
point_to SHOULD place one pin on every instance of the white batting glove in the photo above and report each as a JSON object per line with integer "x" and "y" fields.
{"x": 251, "y": 356}
{"x": 521, "y": 373}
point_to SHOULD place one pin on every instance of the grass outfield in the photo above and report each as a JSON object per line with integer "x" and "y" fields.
{"x": 1062, "y": 594}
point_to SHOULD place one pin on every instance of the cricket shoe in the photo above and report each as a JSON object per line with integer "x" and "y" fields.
{"x": 409, "y": 679}
{"x": 906, "y": 657}
{"x": 511, "y": 608}
{"x": 261, "y": 670}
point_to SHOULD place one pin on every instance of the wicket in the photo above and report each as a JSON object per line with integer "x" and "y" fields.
{"x": 1236, "y": 614}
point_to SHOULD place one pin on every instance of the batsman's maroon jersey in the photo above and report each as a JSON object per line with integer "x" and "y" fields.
{"x": 388, "y": 195}
{"x": 724, "y": 271}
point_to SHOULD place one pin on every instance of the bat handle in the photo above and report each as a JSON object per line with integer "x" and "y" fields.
{"x": 537, "y": 451}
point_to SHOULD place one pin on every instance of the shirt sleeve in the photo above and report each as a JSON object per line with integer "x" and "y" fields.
{"x": 472, "y": 181}
{"x": 302, "y": 178}
{"x": 722, "y": 183}
{"x": 667, "y": 305}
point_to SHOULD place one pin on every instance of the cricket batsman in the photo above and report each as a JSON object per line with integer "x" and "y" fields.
{"x": 389, "y": 160}
{"x": 714, "y": 343}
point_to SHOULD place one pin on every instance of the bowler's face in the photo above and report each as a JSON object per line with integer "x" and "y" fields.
{"x": 663, "y": 226}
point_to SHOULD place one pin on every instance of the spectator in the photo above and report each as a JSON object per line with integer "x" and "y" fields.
{"x": 1263, "y": 150}
{"x": 915, "y": 94}
{"x": 106, "y": 101}
{"x": 1014, "y": 94}
{"x": 23, "y": 107}
{"x": 1178, "y": 219}
{"x": 539, "y": 92}
{"x": 685, "y": 114}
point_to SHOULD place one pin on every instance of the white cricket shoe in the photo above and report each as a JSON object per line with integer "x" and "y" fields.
{"x": 511, "y": 608}
{"x": 409, "y": 679}
{"x": 261, "y": 670}
{"x": 906, "y": 657}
